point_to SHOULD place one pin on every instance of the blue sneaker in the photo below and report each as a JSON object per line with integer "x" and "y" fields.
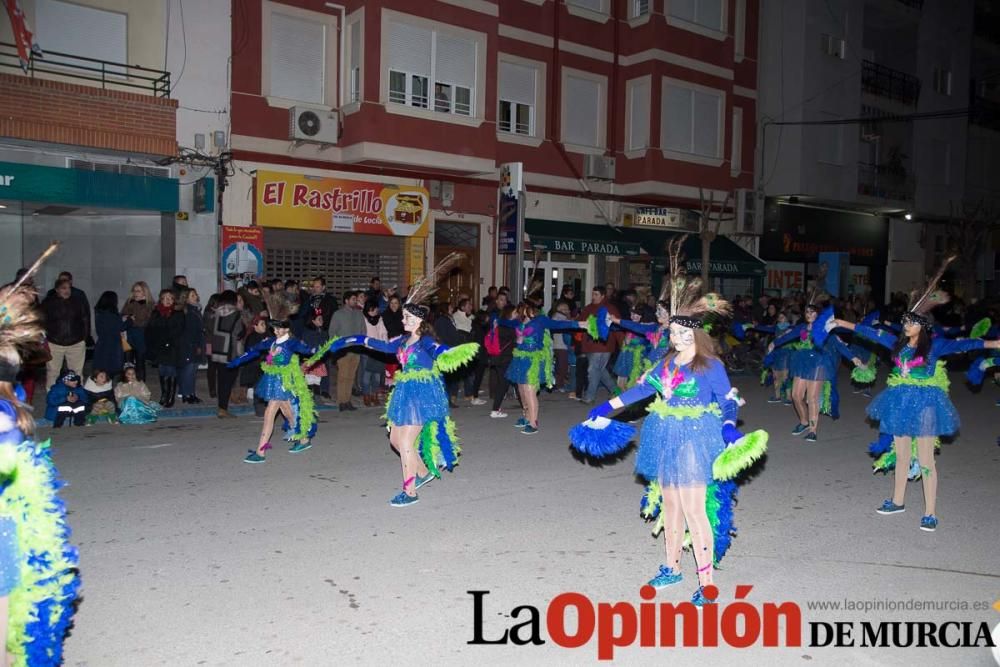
{"x": 521, "y": 423}
{"x": 402, "y": 500}
{"x": 787, "y": 402}
{"x": 529, "y": 430}
{"x": 811, "y": 436}
{"x": 800, "y": 429}
{"x": 774, "y": 399}
{"x": 300, "y": 447}
{"x": 699, "y": 599}
{"x": 420, "y": 481}
{"x": 666, "y": 577}
{"x": 253, "y": 457}
{"x": 929, "y": 523}
{"x": 889, "y": 507}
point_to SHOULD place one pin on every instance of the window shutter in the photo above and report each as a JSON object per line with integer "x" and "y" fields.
{"x": 676, "y": 125}
{"x": 595, "y": 5}
{"x": 639, "y": 115}
{"x": 517, "y": 83}
{"x": 81, "y": 31}
{"x": 456, "y": 61}
{"x": 298, "y": 59}
{"x": 582, "y": 97}
{"x": 355, "y": 44}
{"x": 410, "y": 49}
{"x": 706, "y": 124}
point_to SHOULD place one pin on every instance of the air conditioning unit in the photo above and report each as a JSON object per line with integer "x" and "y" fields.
{"x": 598, "y": 168}
{"x": 313, "y": 124}
{"x": 749, "y": 212}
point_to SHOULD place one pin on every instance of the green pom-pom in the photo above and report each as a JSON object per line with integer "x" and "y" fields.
{"x": 863, "y": 374}
{"x": 592, "y": 327}
{"x": 452, "y": 359}
{"x": 981, "y": 327}
{"x": 740, "y": 455}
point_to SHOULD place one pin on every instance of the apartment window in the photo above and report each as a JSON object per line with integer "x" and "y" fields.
{"x": 706, "y": 13}
{"x": 638, "y": 113}
{"x": 692, "y": 120}
{"x": 82, "y": 31}
{"x": 583, "y": 104}
{"x": 354, "y": 63}
{"x": 516, "y": 114}
{"x": 592, "y": 5}
{"x": 736, "y": 149}
{"x": 297, "y": 58}
{"x": 422, "y": 60}
{"x": 833, "y": 46}
{"x": 639, "y": 8}
{"x": 942, "y": 81}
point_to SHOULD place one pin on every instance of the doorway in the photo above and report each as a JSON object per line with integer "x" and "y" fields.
{"x": 462, "y": 280}
{"x": 554, "y": 272}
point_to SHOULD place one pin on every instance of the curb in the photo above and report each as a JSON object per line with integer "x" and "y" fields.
{"x": 189, "y": 413}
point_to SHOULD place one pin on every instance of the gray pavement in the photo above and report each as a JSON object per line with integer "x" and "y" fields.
{"x": 190, "y": 557}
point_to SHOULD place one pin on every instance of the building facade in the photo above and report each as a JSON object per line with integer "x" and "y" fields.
{"x": 342, "y": 108}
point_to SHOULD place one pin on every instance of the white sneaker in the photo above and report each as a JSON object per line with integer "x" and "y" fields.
{"x": 477, "y": 401}
{"x": 497, "y": 414}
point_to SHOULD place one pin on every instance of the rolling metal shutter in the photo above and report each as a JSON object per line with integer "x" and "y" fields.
{"x": 347, "y": 261}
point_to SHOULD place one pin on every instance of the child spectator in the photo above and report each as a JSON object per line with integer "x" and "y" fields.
{"x": 66, "y": 400}
{"x": 133, "y": 399}
{"x": 100, "y": 391}
{"x": 314, "y": 335}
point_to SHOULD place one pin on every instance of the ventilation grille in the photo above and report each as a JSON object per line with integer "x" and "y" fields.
{"x": 118, "y": 168}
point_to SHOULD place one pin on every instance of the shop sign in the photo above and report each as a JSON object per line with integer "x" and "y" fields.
{"x": 657, "y": 217}
{"x": 76, "y": 187}
{"x": 716, "y": 268}
{"x": 582, "y": 247}
{"x": 511, "y": 183}
{"x": 242, "y": 253}
{"x": 297, "y": 201}
{"x": 785, "y": 277}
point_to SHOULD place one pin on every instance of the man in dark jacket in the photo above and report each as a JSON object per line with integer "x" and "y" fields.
{"x": 67, "y": 325}
{"x": 320, "y": 303}
{"x": 78, "y": 294}
{"x": 348, "y": 321}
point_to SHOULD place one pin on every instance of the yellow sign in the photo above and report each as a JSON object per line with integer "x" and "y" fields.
{"x": 297, "y": 201}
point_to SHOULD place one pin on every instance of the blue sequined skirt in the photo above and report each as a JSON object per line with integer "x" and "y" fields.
{"x": 519, "y": 370}
{"x": 624, "y": 362}
{"x": 811, "y": 365}
{"x": 778, "y": 359}
{"x": 414, "y": 402}
{"x": 914, "y": 411}
{"x": 269, "y": 388}
{"x": 679, "y": 452}
{"x": 10, "y": 563}
{"x": 136, "y": 411}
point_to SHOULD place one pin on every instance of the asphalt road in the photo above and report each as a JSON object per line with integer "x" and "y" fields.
{"x": 191, "y": 557}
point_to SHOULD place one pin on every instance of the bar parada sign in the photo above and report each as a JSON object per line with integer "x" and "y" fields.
{"x": 583, "y": 247}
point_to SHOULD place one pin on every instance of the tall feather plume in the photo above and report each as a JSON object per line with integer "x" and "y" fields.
{"x": 426, "y": 285}
{"x": 817, "y": 293}
{"x": 678, "y": 274}
{"x": 20, "y": 321}
{"x": 536, "y": 284}
{"x": 930, "y": 297}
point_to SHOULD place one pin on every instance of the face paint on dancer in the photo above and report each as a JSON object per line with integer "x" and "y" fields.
{"x": 410, "y": 321}
{"x": 911, "y": 328}
{"x": 811, "y": 314}
{"x": 681, "y": 337}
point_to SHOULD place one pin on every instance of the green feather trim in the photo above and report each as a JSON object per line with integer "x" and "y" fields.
{"x": 320, "y": 352}
{"x": 661, "y": 408}
{"x": 592, "y": 327}
{"x": 739, "y": 456}
{"x": 652, "y": 506}
{"x": 452, "y": 359}
{"x": 550, "y": 359}
{"x": 637, "y": 356}
{"x": 294, "y": 381}
{"x": 417, "y": 375}
{"x": 887, "y": 461}
{"x": 825, "y": 404}
{"x": 541, "y": 363}
{"x": 980, "y": 328}
{"x": 939, "y": 380}
{"x": 863, "y": 374}
{"x": 430, "y": 444}
{"x": 763, "y": 376}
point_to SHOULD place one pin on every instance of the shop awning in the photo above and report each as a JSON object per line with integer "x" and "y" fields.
{"x": 579, "y": 239}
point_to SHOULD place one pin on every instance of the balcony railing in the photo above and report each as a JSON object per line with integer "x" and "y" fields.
{"x": 106, "y": 73}
{"x": 891, "y": 83}
{"x": 883, "y": 183}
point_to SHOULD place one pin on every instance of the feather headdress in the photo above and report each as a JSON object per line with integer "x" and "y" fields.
{"x": 930, "y": 297}
{"x": 20, "y": 320}
{"x": 818, "y": 293}
{"x": 688, "y": 304}
{"x": 534, "y": 292}
{"x": 424, "y": 288}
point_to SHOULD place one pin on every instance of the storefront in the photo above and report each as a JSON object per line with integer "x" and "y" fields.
{"x": 110, "y": 218}
{"x": 795, "y": 235}
{"x": 346, "y": 231}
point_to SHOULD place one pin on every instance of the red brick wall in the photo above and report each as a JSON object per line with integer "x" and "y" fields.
{"x": 69, "y": 113}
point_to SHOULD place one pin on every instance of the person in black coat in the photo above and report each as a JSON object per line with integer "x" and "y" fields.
{"x": 163, "y": 337}
{"x": 108, "y": 353}
{"x": 392, "y": 317}
{"x": 192, "y": 346}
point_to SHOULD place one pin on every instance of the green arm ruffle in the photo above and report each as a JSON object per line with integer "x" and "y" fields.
{"x": 454, "y": 358}
{"x": 740, "y": 455}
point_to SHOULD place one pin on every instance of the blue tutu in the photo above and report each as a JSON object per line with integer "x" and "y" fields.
{"x": 136, "y": 411}
{"x": 521, "y": 369}
{"x": 624, "y": 362}
{"x": 914, "y": 411}
{"x": 778, "y": 359}
{"x": 414, "y": 402}
{"x": 812, "y": 365}
{"x": 269, "y": 388}
{"x": 10, "y": 563}
{"x": 679, "y": 451}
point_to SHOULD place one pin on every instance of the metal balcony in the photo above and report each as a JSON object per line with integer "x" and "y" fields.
{"x": 107, "y": 74}
{"x": 890, "y": 83}
{"x": 882, "y": 183}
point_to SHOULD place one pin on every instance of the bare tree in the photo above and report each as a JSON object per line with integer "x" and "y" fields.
{"x": 710, "y": 219}
{"x": 968, "y": 231}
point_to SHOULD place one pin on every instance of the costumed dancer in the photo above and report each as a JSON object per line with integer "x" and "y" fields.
{"x": 914, "y": 409}
{"x": 283, "y": 387}
{"x": 533, "y": 364}
{"x": 417, "y": 413}
{"x": 630, "y": 362}
{"x": 813, "y": 365}
{"x": 39, "y": 581}
{"x": 777, "y": 360}
{"x": 689, "y": 447}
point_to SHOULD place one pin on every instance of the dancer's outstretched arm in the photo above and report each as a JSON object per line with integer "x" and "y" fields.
{"x": 252, "y": 353}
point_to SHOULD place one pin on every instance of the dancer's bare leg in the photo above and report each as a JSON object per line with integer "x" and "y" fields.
{"x": 902, "y": 445}
{"x": 813, "y": 398}
{"x": 702, "y": 539}
{"x": 270, "y": 412}
{"x": 799, "y": 400}
{"x": 925, "y": 454}
{"x": 404, "y": 440}
{"x": 673, "y": 526}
